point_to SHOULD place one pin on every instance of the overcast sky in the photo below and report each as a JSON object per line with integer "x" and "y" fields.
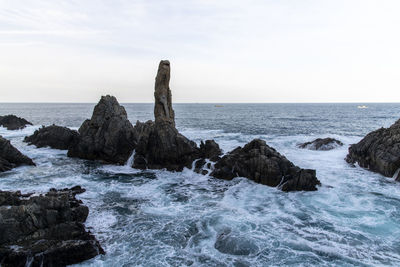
{"x": 220, "y": 51}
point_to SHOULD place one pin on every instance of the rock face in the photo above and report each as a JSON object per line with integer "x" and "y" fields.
{"x": 107, "y": 136}
{"x": 322, "y": 144}
{"x": 378, "y": 151}
{"x": 10, "y": 157}
{"x": 45, "y": 230}
{"x": 263, "y": 164}
{"x": 210, "y": 150}
{"x": 163, "y": 111}
{"x": 12, "y": 122}
{"x": 53, "y": 136}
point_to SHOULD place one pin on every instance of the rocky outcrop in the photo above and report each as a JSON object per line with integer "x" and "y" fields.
{"x": 12, "y": 122}
{"x": 263, "y": 164}
{"x": 10, "y": 157}
{"x": 210, "y": 150}
{"x": 378, "y": 151}
{"x": 53, "y": 136}
{"x": 45, "y": 230}
{"x": 107, "y": 136}
{"x": 322, "y": 144}
{"x": 163, "y": 111}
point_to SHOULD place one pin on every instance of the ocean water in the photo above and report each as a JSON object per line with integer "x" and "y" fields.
{"x": 161, "y": 218}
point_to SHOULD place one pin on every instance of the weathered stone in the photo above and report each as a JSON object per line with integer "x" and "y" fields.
{"x": 210, "y": 150}
{"x": 45, "y": 230}
{"x": 378, "y": 151}
{"x": 263, "y": 164}
{"x": 163, "y": 111}
{"x": 12, "y": 122}
{"x": 322, "y": 144}
{"x": 107, "y": 136}
{"x": 10, "y": 157}
{"x": 53, "y": 136}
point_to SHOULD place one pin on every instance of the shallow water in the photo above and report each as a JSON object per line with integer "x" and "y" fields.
{"x": 160, "y": 218}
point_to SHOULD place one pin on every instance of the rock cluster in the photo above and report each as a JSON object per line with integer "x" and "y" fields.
{"x": 378, "y": 151}
{"x": 45, "y": 230}
{"x": 263, "y": 164}
{"x": 10, "y": 157}
{"x": 12, "y": 122}
{"x": 107, "y": 136}
{"x": 322, "y": 144}
{"x": 53, "y": 136}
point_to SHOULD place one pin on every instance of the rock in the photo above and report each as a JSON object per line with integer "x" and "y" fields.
{"x": 165, "y": 148}
{"x": 263, "y": 164}
{"x": 10, "y": 157}
{"x": 163, "y": 111}
{"x": 230, "y": 243}
{"x": 322, "y": 144}
{"x": 45, "y": 230}
{"x": 53, "y": 136}
{"x": 107, "y": 136}
{"x": 210, "y": 150}
{"x": 378, "y": 151}
{"x": 12, "y": 122}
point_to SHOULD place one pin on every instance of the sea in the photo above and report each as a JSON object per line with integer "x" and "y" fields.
{"x": 162, "y": 218}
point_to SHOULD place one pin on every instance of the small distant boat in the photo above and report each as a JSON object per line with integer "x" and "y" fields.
{"x": 362, "y": 106}
{"x": 219, "y": 106}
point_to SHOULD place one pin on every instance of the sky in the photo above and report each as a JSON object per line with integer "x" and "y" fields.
{"x": 220, "y": 51}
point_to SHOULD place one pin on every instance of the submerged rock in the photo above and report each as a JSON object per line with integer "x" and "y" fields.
{"x": 322, "y": 144}
{"x": 10, "y": 157}
{"x": 230, "y": 243}
{"x": 53, "y": 136}
{"x": 45, "y": 230}
{"x": 107, "y": 136}
{"x": 378, "y": 151}
{"x": 12, "y": 122}
{"x": 263, "y": 164}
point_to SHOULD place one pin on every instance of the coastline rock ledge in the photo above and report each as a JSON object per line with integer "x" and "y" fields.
{"x": 10, "y": 157}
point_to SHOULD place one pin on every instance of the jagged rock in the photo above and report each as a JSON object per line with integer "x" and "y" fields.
{"x": 45, "y": 230}
{"x": 210, "y": 150}
{"x": 165, "y": 148}
{"x": 10, "y": 157}
{"x": 53, "y": 136}
{"x": 263, "y": 164}
{"x": 234, "y": 244}
{"x": 12, "y": 122}
{"x": 322, "y": 144}
{"x": 163, "y": 111}
{"x": 107, "y": 136}
{"x": 378, "y": 151}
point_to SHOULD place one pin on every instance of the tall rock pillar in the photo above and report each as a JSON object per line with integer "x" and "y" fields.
{"x": 163, "y": 111}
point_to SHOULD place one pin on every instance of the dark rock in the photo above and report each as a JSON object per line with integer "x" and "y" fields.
{"x": 263, "y": 164}
{"x": 234, "y": 244}
{"x": 53, "y": 136}
{"x": 165, "y": 148}
{"x": 163, "y": 111}
{"x": 322, "y": 144}
{"x": 45, "y": 230}
{"x": 210, "y": 150}
{"x": 107, "y": 136}
{"x": 10, "y": 157}
{"x": 378, "y": 151}
{"x": 12, "y": 122}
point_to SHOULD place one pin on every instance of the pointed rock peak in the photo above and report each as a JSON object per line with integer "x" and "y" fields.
{"x": 163, "y": 111}
{"x": 107, "y": 107}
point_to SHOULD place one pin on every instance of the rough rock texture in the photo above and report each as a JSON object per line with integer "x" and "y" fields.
{"x": 163, "y": 111}
{"x": 12, "y": 122}
{"x": 107, "y": 136}
{"x": 234, "y": 244}
{"x": 210, "y": 150}
{"x": 53, "y": 136}
{"x": 45, "y": 230}
{"x": 10, "y": 157}
{"x": 263, "y": 164}
{"x": 164, "y": 147}
{"x": 378, "y": 151}
{"x": 322, "y": 144}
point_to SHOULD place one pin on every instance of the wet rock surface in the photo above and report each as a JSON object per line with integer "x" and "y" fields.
{"x": 10, "y": 157}
{"x": 163, "y": 111}
{"x": 12, "y": 122}
{"x": 263, "y": 164}
{"x": 108, "y": 136}
{"x": 45, "y": 230}
{"x": 232, "y": 243}
{"x": 322, "y": 144}
{"x": 378, "y": 151}
{"x": 53, "y": 136}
